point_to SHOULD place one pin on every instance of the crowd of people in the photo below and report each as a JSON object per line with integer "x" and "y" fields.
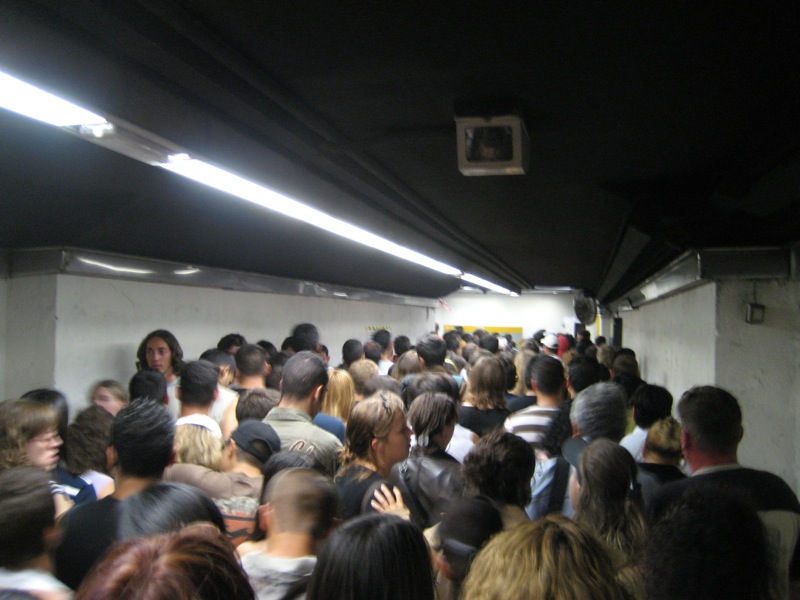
{"x": 456, "y": 466}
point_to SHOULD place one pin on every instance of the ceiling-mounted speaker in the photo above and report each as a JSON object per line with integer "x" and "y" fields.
{"x": 497, "y": 145}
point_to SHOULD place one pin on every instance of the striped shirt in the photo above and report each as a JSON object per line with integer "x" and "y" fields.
{"x": 531, "y": 423}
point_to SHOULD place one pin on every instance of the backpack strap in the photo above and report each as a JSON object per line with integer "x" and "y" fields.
{"x": 558, "y": 488}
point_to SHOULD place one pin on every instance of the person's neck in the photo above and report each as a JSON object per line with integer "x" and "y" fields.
{"x": 43, "y": 562}
{"x": 187, "y": 411}
{"x": 369, "y": 464}
{"x": 129, "y": 485}
{"x": 302, "y": 404}
{"x": 548, "y": 401}
{"x": 245, "y": 469}
{"x": 288, "y": 544}
{"x": 170, "y": 377}
{"x": 703, "y": 460}
{"x": 250, "y": 382}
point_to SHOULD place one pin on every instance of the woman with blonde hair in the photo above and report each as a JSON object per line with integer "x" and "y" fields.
{"x": 485, "y": 407}
{"x": 338, "y": 399}
{"x": 198, "y": 445}
{"x": 377, "y": 438}
{"x": 561, "y": 560}
{"x": 662, "y": 457}
{"x": 109, "y": 395}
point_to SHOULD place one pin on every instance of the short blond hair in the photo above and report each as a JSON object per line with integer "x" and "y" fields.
{"x": 664, "y": 440}
{"x": 197, "y": 445}
{"x": 560, "y": 560}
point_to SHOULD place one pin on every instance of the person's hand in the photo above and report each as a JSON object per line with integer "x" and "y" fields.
{"x": 389, "y": 500}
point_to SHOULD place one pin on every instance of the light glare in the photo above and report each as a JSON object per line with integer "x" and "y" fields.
{"x": 30, "y": 101}
{"x": 484, "y": 283}
{"x": 252, "y": 192}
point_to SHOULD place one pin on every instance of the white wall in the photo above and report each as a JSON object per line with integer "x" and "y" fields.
{"x": 674, "y": 339}
{"x": 700, "y": 337}
{"x": 30, "y": 334}
{"x": 531, "y": 312}
{"x": 759, "y": 364}
{"x": 90, "y": 329}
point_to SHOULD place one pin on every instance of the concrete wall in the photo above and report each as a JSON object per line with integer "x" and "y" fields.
{"x": 674, "y": 339}
{"x": 531, "y": 312}
{"x": 89, "y": 328}
{"x": 759, "y": 364}
{"x": 700, "y": 337}
{"x": 30, "y": 334}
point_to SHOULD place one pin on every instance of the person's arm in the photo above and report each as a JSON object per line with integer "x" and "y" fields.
{"x": 229, "y": 421}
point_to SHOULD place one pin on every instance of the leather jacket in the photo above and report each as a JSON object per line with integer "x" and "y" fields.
{"x": 429, "y": 483}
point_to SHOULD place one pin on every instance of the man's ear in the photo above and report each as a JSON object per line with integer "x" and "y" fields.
{"x": 686, "y": 440}
{"x": 319, "y": 393}
{"x": 178, "y": 392}
{"x": 172, "y": 457}
{"x": 267, "y": 369}
{"x": 230, "y": 448}
{"x": 266, "y": 517}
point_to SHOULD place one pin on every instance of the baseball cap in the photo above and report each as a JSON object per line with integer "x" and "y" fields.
{"x": 550, "y": 340}
{"x": 572, "y": 450}
{"x": 252, "y": 430}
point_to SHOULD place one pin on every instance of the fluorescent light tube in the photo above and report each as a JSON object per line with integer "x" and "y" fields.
{"x": 484, "y": 283}
{"x": 252, "y": 192}
{"x": 30, "y": 101}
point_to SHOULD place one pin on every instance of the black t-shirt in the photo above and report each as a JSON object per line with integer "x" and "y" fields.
{"x": 89, "y": 531}
{"x": 355, "y": 483}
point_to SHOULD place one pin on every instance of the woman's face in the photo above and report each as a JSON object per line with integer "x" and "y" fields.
{"x": 42, "y": 450}
{"x": 159, "y": 357}
{"x": 394, "y": 447}
{"x": 103, "y": 398}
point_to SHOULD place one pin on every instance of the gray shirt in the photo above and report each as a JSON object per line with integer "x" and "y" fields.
{"x": 298, "y": 432}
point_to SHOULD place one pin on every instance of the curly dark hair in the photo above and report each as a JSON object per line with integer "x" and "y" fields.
{"x": 170, "y": 340}
{"x": 500, "y": 466}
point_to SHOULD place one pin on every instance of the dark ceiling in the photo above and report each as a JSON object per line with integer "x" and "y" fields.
{"x": 655, "y": 127}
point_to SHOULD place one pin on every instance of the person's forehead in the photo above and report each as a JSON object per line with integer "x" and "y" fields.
{"x": 157, "y": 342}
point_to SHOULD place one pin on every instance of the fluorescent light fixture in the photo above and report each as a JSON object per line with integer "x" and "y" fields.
{"x": 225, "y": 181}
{"x": 189, "y": 271}
{"x": 30, "y": 101}
{"x": 116, "y": 269}
{"x": 484, "y": 283}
